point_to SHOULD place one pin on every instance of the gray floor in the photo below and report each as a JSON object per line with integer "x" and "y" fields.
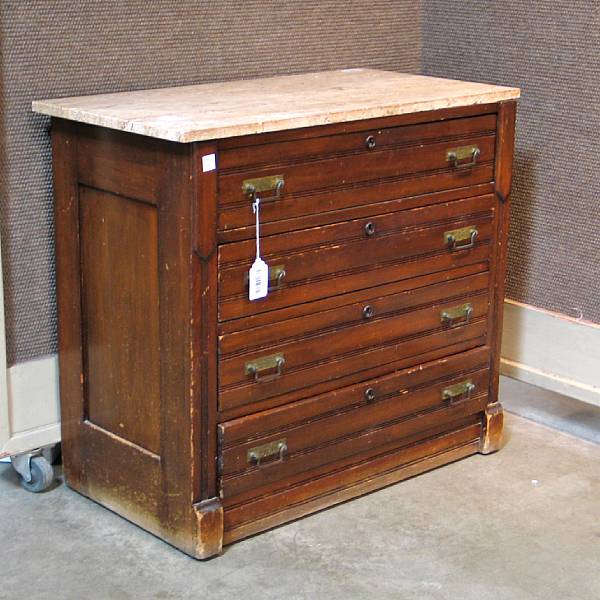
{"x": 522, "y": 523}
{"x": 560, "y": 412}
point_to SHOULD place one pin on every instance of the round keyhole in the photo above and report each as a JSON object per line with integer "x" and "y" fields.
{"x": 370, "y": 229}
{"x": 368, "y": 311}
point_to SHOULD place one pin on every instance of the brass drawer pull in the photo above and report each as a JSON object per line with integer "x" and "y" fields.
{"x": 455, "y": 155}
{"x": 272, "y": 364}
{"x": 452, "y": 238}
{"x": 276, "y": 276}
{"x": 458, "y": 315}
{"x": 369, "y": 229}
{"x": 368, "y": 311}
{"x": 458, "y": 392}
{"x": 369, "y": 394}
{"x": 253, "y": 187}
{"x": 370, "y": 142}
{"x": 258, "y": 453}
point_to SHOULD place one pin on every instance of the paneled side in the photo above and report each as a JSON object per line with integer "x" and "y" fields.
{"x": 120, "y": 316}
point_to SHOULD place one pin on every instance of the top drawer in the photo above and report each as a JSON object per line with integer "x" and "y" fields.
{"x": 305, "y": 176}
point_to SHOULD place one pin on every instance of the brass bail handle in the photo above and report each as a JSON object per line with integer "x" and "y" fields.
{"x": 252, "y": 187}
{"x": 455, "y": 236}
{"x": 265, "y": 368}
{"x": 456, "y": 156}
{"x": 258, "y": 453}
{"x": 458, "y": 392}
{"x": 456, "y": 316}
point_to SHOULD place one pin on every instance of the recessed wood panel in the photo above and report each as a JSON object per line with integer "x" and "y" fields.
{"x": 120, "y": 316}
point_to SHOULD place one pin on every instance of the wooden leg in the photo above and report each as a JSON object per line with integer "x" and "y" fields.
{"x": 209, "y": 515}
{"x": 493, "y": 425}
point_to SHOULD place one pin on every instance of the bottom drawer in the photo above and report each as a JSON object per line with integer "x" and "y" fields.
{"x": 245, "y": 518}
{"x": 268, "y": 450}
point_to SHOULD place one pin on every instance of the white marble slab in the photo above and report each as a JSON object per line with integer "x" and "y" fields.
{"x": 220, "y": 110}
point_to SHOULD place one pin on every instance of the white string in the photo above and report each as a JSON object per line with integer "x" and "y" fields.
{"x": 256, "y": 209}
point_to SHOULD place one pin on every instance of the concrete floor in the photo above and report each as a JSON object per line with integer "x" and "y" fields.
{"x": 522, "y": 523}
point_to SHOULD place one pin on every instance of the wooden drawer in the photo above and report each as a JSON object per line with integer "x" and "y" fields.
{"x": 365, "y": 419}
{"x": 338, "y": 258}
{"x": 325, "y": 345}
{"x": 326, "y": 487}
{"x": 336, "y": 171}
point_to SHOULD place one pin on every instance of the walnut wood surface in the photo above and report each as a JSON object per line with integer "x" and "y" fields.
{"x": 395, "y": 384}
{"x": 366, "y": 425}
{"x": 120, "y": 280}
{"x": 340, "y": 258}
{"x": 155, "y": 327}
{"x": 285, "y": 152}
{"x": 355, "y": 479}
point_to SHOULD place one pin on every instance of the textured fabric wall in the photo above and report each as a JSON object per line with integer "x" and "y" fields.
{"x": 54, "y": 49}
{"x": 550, "y": 50}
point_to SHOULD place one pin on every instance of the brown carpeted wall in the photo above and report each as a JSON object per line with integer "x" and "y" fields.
{"x": 551, "y": 51}
{"x": 51, "y": 49}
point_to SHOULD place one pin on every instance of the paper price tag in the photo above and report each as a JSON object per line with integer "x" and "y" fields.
{"x": 259, "y": 279}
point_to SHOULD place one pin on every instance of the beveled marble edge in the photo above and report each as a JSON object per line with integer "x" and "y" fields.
{"x": 195, "y": 128}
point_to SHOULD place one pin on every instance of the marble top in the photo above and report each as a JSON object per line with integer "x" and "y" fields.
{"x": 219, "y": 110}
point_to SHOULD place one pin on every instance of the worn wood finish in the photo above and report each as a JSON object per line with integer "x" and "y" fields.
{"x": 349, "y": 169}
{"x": 365, "y": 425}
{"x": 503, "y": 177}
{"x": 375, "y": 304}
{"x": 396, "y": 383}
{"x": 120, "y": 316}
{"x": 493, "y": 426}
{"x": 324, "y": 356}
{"x": 353, "y": 480}
{"x": 352, "y": 143}
{"x": 325, "y": 206}
{"x": 125, "y": 272}
{"x": 204, "y": 323}
{"x": 68, "y": 291}
{"x": 155, "y": 329}
{"x": 340, "y": 258}
{"x": 421, "y": 351}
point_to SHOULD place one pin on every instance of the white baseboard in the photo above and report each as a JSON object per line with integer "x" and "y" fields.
{"x": 33, "y": 406}
{"x": 551, "y": 351}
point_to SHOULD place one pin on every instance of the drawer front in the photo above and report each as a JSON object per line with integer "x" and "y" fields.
{"x": 314, "y": 171}
{"x": 351, "y": 255}
{"x": 363, "y": 419}
{"x": 250, "y": 513}
{"x": 350, "y": 338}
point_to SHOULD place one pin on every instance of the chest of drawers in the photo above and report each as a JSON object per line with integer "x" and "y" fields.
{"x": 205, "y": 417}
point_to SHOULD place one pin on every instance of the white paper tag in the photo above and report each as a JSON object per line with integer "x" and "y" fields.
{"x": 209, "y": 162}
{"x": 258, "y": 279}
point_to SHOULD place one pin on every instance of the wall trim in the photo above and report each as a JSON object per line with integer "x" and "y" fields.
{"x": 552, "y": 351}
{"x": 32, "y": 407}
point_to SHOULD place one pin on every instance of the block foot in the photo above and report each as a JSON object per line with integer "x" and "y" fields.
{"x": 493, "y": 425}
{"x": 209, "y": 515}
